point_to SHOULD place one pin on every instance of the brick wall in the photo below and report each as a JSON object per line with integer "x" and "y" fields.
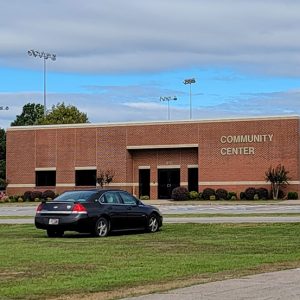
{"x": 105, "y": 147}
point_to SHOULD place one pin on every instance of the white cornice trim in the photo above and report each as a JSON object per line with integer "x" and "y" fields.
{"x": 168, "y": 167}
{"x": 146, "y": 123}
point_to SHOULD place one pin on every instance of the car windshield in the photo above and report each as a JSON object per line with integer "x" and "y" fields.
{"x": 80, "y": 196}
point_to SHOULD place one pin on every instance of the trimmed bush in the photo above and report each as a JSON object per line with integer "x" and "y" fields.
{"x": 207, "y": 193}
{"x": 193, "y": 195}
{"x": 249, "y": 193}
{"x": 48, "y": 194}
{"x": 144, "y": 197}
{"x": 262, "y": 193}
{"x": 27, "y": 196}
{"x": 231, "y": 196}
{"x": 292, "y": 195}
{"x": 221, "y": 194}
{"x": 180, "y": 194}
{"x": 36, "y": 194}
{"x": 242, "y": 196}
{"x": 256, "y": 197}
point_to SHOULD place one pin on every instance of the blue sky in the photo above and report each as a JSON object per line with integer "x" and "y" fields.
{"x": 115, "y": 59}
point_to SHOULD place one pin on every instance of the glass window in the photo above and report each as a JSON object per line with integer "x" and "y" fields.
{"x": 128, "y": 199}
{"x": 110, "y": 198}
{"x": 85, "y": 177}
{"x": 80, "y": 196}
{"x": 45, "y": 178}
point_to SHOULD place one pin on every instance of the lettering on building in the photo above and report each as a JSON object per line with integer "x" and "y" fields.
{"x": 231, "y": 140}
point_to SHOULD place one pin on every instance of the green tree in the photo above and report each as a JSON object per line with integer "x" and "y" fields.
{"x": 62, "y": 114}
{"x": 278, "y": 177}
{"x": 30, "y": 115}
{"x": 2, "y": 158}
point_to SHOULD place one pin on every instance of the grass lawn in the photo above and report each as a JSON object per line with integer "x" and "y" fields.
{"x": 33, "y": 266}
{"x": 213, "y": 215}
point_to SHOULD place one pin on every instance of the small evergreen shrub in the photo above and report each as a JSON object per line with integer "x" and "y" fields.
{"x": 231, "y": 195}
{"x": 221, "y": 194}
{"x": 20, "y": 199}
{"x": 193, "y": 195}
{"x": 207, "y": 193}
{"x": 212, "y": 197}
{"x": 242, "y": 196}
{"x": 256, "y": 197}
{"x": 249, "y": 193}
{"x": 180, "y": 193}
{"x": 27, "y": 196}
{"x": 144, "y": 197}
{"x": 292, "y": 195}
{"x": 36, "y": 194}
{"x": 262, "y": 193}
{"x": 48, "y": 194}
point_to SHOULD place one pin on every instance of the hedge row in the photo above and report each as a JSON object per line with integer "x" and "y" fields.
{"x": 30, "y": 196}
{"x": 182, "y": 193}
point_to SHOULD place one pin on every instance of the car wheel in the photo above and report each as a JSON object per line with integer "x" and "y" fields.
{"x": 55, "y": 233}
{"x": 101, "y": 227}
{"x": 153, "y": 223}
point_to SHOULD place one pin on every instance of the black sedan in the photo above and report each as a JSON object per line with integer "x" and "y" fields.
{"x": 96, "y": 211}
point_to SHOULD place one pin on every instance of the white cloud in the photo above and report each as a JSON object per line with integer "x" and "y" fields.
{"x": 102, "y": 107}
{"x": 113, "y": 36}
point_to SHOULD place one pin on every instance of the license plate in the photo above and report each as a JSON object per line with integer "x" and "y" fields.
{"x": 53, "y": 221}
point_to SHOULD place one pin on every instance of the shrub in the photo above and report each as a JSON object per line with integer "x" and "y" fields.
{"x": 292, "y": 195}
{"x": 231, "y": 195}
{"x": 20, "y": 199}
{"x": 36, "y": 194}
{"x": 221, "y": 194}
{"x": 212, "y": 197}
{"x": 193, "y": 195}
{"x": 249, "y": 193}
{"x": 256, "y": 197}
{"x": 27, "y": 196}
{"x": 145, "y": 197}
{"x": 262, "y": 193}
{"x": 242, "y": 196}
{"x": 180, "y": 193}
{"x": 48, "y": 194}
{"x": 207, "y": 193}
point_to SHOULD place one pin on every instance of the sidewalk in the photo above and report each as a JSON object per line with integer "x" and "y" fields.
{"x": 276, "y": 285}
{"x": 222, "y": 202}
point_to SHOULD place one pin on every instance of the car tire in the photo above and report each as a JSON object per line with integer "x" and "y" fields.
{"x": 55, "y": 233}
{"x": 153, "y": 224}
{"x": 102, "y": 227}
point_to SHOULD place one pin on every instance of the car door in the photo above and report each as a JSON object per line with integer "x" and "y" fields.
{"x": 111, "y": 205}
{"x": 136, "y": 215}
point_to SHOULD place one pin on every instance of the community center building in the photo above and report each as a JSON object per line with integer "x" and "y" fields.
{"x": 152, "y": 158}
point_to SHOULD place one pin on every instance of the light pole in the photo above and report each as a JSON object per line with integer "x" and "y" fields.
{"x": 168, "y": 99}
{"x": 190, "y": 81}
{"x": 45, "y": 56}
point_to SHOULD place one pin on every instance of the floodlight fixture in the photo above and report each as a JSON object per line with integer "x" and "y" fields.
{"x": 45, "y": 56}
{"x": 190, "y": 81}
{"x": 169, "y": 98}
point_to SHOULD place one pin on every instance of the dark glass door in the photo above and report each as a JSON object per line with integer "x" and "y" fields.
{"x": 144, "y": 182}
{"x": 193, "y": 179}
{"x": 168, "y": 179}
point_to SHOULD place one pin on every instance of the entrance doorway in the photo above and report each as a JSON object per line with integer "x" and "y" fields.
{"x": 168, "y": 179}
{"x": 144, "y": 182}
{"x": 193, "y": 179}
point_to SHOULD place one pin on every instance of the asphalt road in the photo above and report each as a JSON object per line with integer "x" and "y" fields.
{"x": 280, "y": 285}
{"x": 180, "y": 209}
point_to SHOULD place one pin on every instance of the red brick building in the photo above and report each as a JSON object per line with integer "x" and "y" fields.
{"x": 152, "y": 158}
